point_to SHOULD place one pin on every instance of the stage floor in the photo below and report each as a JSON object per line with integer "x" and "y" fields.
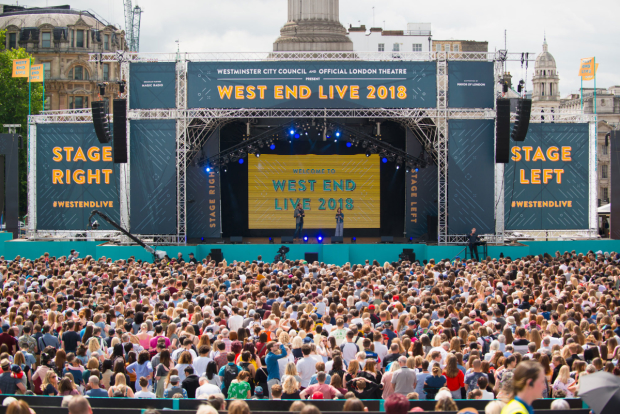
{"x": 338, "y": 254}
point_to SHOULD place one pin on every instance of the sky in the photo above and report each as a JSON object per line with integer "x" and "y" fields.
{"x": 574, "y": 29}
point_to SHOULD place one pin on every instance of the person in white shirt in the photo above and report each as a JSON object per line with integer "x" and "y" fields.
{"x": 380, "y": 349}
{"x": 206, "y": 388}
{"x": 306, "y": 367}
{"x": 200, "y": 363}
{"x": 340, "y": 333}
{"x": 349, "y": 349}
{"x": 187, "y": 346}
{"x": 144, "y": 392}
{"x": 235, "y": 321}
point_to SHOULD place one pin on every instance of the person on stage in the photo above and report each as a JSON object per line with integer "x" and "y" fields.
{"x": 339, "y": 222}
{"x": 473, "y": 244}
{"x": 299, "y": 221}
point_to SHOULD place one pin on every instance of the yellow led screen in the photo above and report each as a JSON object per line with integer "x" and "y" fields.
{"x": 321, "y": 183}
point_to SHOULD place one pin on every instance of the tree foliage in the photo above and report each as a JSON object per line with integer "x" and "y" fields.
{"x": 14, "y": 108}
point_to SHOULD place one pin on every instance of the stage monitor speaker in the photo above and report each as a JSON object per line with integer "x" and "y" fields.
{"x": 431, "y": 224}
{"x": 216, "y": 254}
{"x": 236, "y": 239}
{"x": 387, "y": 239}
{"x": 407, "y": 255}
{"x": 311, "y": 257}
{"x": 337, "y": 239}
{"x": 522, "y": 122}
{"x": 100, "y": 121}
{"x": 502, "y": 131}
{"x": 287, "y": 239}
{"x": 120, "y": 131}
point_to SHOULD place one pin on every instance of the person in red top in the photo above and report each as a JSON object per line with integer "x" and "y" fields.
{"x": 329, "y": 392}
{"x": 455, "y": 379}
{"x": 8, "y": 339}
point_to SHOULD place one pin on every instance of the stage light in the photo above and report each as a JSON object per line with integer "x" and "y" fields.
{"x": 208, "y": 169}
{"x": 257, "y": 154}
{"x": 336, "y": 140}
{"x": 417, "y": 169}
{"x": 337, "y": 133}
{"x": 397, "y": 167}
{"x": 349, "y": 145}
{"x": 272, "y": 147}
{"x": 271, "y": 240}
{"x": 384, "y": 160}
{"x": 407, "y": 169}
{"x": 305, "y": 239}
{"x": 353, "y": 239}
{"x": 241, "y": 161}
{"x": 296, "y": 136}
{"x": 292, "y": 132}
{"x": 319, "y": 238}
{"x": 368, "y": 153}
{"x": 225, "y": 169}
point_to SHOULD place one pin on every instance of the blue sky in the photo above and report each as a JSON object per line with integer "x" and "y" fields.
{"x": 575, "y": 29}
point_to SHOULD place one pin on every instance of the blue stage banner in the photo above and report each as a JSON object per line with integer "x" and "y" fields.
{"x": 320, "y": 84}
{"x": 152, "y": 85}
{"x": 471, "y": 172}
{"x": 153, "y": 176}
{"x": 75, "y": 175}
{"x": 546, "y": 181}
{"x": 471, "y": 85}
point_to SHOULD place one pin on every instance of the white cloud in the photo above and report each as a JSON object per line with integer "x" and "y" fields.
{"x": 575, "y": 29}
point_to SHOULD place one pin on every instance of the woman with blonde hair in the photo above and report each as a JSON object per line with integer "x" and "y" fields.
{"x": 238, "y": 407}
{"x": 564, "y": 383}
{"x": 50, "y": 383}
{"x": 120, "y": 388}
{"x": 143, "y": 337}
{"x": 352, "y": 371}
{"x": 95, "y": 346}
{"x": 290, "y": 389}
{"x": 290, "y": 370}
{"x": 386, "y": 381}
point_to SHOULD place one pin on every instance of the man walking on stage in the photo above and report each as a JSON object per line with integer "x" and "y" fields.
{"x": 473, "y": 244}
{"x": 299, "y": 221}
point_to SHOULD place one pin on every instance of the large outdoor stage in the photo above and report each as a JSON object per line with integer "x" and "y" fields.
{"x": 225, "y": 145}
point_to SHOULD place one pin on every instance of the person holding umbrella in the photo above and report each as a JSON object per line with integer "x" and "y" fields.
{"x": 528, "y": 385}
{"x": 600, "y": 391}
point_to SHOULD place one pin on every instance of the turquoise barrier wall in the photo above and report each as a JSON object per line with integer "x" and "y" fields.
{"x": 328, "y": 253}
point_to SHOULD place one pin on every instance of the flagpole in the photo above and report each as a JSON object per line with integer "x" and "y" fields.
{"x": 594, "y": 65}
{"x": 43, "y": 107}
{"x": 29, "y": 93}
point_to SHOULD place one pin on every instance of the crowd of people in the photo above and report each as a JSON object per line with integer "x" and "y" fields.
{"x": 182, "y": 328}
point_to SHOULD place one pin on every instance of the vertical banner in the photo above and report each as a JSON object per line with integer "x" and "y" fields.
{"x": 471, "y": 177}
{"x": 36, "y": 73}
{"x": 203, "y": 196}
{"x": 421, "y": 193}
{"x": 21, "y": 68}
{"x": 152, "y": 85}
{"x": 471, "y": 84}
{"x": 153, "y": 177}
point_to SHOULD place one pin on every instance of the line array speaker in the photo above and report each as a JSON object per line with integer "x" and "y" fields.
{"x": 100, "y": 121}
{"x": 522, "y": 123}
{"x": 502, "y": 131}
{"x": 120, "y": 131}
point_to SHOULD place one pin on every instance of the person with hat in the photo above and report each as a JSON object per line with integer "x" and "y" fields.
{"x": 175, "y": 382}
{"x": 9, "y": 384}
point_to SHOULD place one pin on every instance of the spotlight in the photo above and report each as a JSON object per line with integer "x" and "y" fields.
{"x": 271, "y": 240}
{"x": 272, "y": 147}
{"x": 241, "y": 161}
{"x": 407, "y": 169}
{"x": 368, "y": 153}
{"x": 257, "y": 153}
{"x": 296, "y": 136}
{"x": 225, "y": 169}
{"x": 397, "y": 166}
{"x": 290, "y": 142}
{"x": 305, "y": 239}
{"x": 353, "y": 239}
{"x": 417, "y": 169}
{"x": 336, "y": 140}
{"x": 319, "y": 238}
{"x": 208, "y": 169}
{"x": 384, "y": 160}
{"x": 349, "y": 145}
{"x": 337, "y": 133}
{"x": 292, "y": 132}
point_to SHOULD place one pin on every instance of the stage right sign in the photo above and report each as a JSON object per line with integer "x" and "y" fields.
{"x": 546, "y": 181}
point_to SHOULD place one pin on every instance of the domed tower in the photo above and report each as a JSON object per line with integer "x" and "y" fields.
{"x": 313, "y": 25}
{"x": 546, "y": 92}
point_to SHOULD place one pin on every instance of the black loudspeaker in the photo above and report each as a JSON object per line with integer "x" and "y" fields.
{"x": 387, "y": 239}
{"x": 337, "y": 239}
{"x": 311, "y": 257}
{"x": 614, "y": 179}
{"x": 236, "y": 239}
{"x": 431, "y": 224}
{"x": 407, "y": 255}
{"x": 216, "y": 254}
{"x": 120, "y": 131}
{"x": 502, "y": 131}
{"x": 287, "y": 239}
{"x": 100, "y": 121}
{"x": 522, "y": 122}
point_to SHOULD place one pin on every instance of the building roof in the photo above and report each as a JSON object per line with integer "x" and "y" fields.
{"x": 545, "y": 59}
{"x": 55, "y": 16}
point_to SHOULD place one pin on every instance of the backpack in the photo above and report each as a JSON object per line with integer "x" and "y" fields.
{"x": 230, "y": 373}
{"x": 486, "y": 344}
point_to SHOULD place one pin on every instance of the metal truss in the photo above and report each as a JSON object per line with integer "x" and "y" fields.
{"x": 463, "y": 239}
{"x": 32, "y": 177}
{"x": 499, "y": 167}
{"x": 125, "y": 168}
{"x": 111, "y": 235}
{"x": 543, "y": 235}
{"x": 182, "y": 151}
{"x": 441, "y": 146}
{"x": 593, "y": 187}
{"x": 538, "y": 115}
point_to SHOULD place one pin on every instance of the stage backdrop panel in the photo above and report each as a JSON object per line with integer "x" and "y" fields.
{"x": 153, "y": 177}
{"x": 312, "y": 84}
{"x": 471, "y": 172}
{"x": 276, "y": 183}
{"x": 471, "y": 85}
{"x": 152, "y": 85}
{"x": 546, "y": 181}
{"x": 203, "y": 195}
{"x": 75, "y": 175}
{"x": 421, "y": 192}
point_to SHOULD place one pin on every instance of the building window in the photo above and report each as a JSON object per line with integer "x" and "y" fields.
{"x": 46, "y": 39}
{"x": 438, "y": 47}
{"x": 396, "y": 47}
{"x": 605, "y": 150}
{"x": 12, "y": 40}
{"x": 551, "y": 89}
{"x": 106, "y": 71}
{"x": 447, "y": 48}
{"x": 604, "y": 171}
{"x": 381, "y": 47}
{"x": 542, "y": 89}
{"x": 78, "y": 102}
{"x": 48, "y": 103}
{"x": 79, "y": 38}
{"x": 78, "y": 73}
{"x": 106, "y": 42}
{"x": 605, "y": 193}
{"x": 47, "y": 70}
{"x": 417, "y": 47}
{"x": 456, "y": 48}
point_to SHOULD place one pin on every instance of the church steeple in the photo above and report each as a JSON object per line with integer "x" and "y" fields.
{"x": 546, "y": 81}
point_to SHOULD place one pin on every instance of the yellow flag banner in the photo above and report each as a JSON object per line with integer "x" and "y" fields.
{"x": 36, "y": 73}
{"x": 587, "y": 69}
{"x": 21, "y": 68}
{"x": 589, "y": 74}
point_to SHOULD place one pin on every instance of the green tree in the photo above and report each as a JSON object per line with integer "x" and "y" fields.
{"x": 14, "y": 108}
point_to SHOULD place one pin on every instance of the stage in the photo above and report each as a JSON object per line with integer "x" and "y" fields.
{"x": 338, "y": 254}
